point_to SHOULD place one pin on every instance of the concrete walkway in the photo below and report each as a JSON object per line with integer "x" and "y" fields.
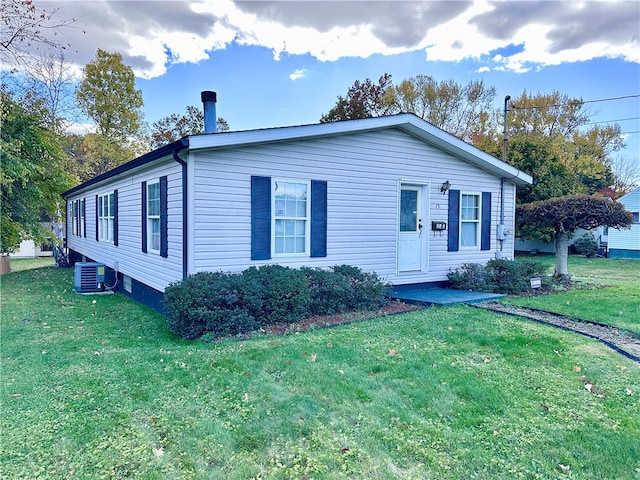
{"x": 426, "y": 294}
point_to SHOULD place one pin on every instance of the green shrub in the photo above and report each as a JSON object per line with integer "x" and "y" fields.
{"x": 586, "y": 245}
{"x": 499, "y": 276}
{"x": 365, "y": 291}
{"x": 220, "y": 304}
{"x": 343, "y": 288}
{"x": 469, "y": 276}
{"x": 284, "y": 293}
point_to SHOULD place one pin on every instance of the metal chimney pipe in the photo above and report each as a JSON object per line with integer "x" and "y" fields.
{"x": 209, "y": 100}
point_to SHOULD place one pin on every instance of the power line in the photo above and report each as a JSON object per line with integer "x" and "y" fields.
{"x": 612, "y": 98}
{"x": 615, "y": 120}
{"x": 532, "y": 107}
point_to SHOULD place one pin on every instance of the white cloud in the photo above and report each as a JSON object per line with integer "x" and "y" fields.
{"x": 151, "y": 35}
{"x": 299, "y": 73}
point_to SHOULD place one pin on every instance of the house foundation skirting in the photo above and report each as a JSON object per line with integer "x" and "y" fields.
{"x": 125, "y": 285}
{"x": 620, "y": 253}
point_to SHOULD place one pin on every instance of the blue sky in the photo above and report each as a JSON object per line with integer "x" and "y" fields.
{"x": 277, "y": 63}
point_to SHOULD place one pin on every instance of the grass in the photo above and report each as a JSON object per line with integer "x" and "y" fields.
{"x": 96, "y": 387}
{"x": 608, "y": 291}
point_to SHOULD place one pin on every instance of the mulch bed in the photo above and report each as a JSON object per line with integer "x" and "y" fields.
{"x": 327, "y": 321}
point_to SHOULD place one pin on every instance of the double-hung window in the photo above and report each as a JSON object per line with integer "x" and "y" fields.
{"x": 106, "y": 217}
{"x": 469, "y": 220}
{"x": 153, "y": 217}
{"x": 75, "y": 205}
{"x": 291, "y": 207}
{"x": 83, "y": 219}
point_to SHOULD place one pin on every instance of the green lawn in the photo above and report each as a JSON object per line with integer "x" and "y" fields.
{"x": 96, "y": 387}
{"x": 608, "y": 291}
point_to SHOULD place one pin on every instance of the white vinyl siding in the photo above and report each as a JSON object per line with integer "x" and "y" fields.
{"x": 628, "y": 239}
{"x": 362, "y": 173}
{"x": 152, "y": 270}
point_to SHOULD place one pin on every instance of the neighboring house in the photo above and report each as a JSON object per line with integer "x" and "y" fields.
{"x": 29, "y": 249}
{"x": 599, "y": 234}
{"x": 394, "y": 195}
{"x": 626, "y": 243}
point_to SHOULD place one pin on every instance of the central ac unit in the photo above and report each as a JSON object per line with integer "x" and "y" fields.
{"x": 88, "y": 277}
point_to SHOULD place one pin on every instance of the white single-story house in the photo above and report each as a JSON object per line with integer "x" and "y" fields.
{"x": 392, "y": 195}
{"x": 626, "y": 243}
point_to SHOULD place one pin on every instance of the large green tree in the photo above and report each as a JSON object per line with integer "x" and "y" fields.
{"x": 108, "y": 96}
{"x": 550, "y": 136}
{"x": 564, "y": 215}
{"x": 33, "y": 173}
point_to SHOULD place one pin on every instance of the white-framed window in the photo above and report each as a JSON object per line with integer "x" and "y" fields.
{"x": 291, "y": 208}
{"x": 470, "y": 216}
{"x": 106, "y": 217}
{"x": 82, "y": 212}
{"x": 153, "y": 217}
{"x": 74, "y": 216}
{"x": 77, "y": 217}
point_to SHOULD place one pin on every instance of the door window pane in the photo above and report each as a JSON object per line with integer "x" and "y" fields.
{"x": 408, "y": 210}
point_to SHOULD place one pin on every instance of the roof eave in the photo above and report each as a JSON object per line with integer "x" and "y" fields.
{"x": 131, "y": 165}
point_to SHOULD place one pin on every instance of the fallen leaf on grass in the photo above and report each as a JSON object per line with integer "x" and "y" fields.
{"x": 576, "y": 368}
{"x": 392, "y": 353}
{"x": 546, "y": 408}
{"x": 313, "y": 357}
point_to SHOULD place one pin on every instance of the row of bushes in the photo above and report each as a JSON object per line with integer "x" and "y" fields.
{"x": 499, "y": 276}
{"x": 221, "y": 304}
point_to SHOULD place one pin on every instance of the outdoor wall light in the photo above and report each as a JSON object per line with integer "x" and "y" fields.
{"x": 445, "y": 187}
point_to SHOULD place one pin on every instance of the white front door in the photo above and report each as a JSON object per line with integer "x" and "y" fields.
{"x": 411, "y": 226}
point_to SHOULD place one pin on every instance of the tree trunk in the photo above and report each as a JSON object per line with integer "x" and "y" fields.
{"x": 5, "y": 264}
{"x": 562, "y": 255}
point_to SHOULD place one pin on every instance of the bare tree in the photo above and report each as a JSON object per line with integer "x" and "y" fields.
{"x": 626, "y": 171}
{"x": 50, "y": 80}
{"x": 26, "y": 28}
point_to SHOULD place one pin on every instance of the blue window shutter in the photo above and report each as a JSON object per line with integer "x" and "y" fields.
{"x": 485, "y": 232}
{"x": 115, "y": 217}
{"x": 144, "y": 217}
{"x": 97, "y": 233}
{"x": 84, "y": 218}
{"x": 260, "y": 218}
{"x": 318, "y": 218}
{"x": 453, "y": 240}
{"x": 164, "y": 251}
